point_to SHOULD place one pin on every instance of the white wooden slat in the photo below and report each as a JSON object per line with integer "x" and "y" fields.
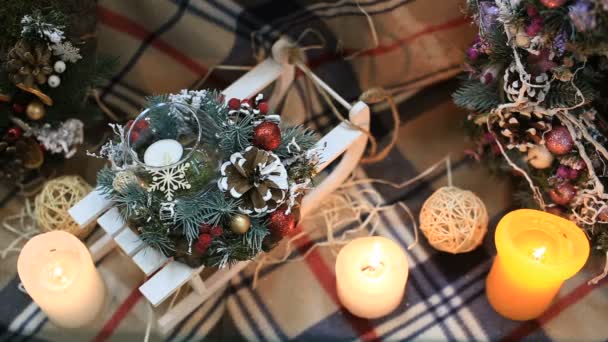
{"x": 254, "y": 81}
{"x": 149, "y": 259}
{"x": 340, "y": 140}
{"x": 167, "y": 281}
{"x": 194, "y": 299}
{"x": 89, "y": 208}
{"x": 112, "y": 222}
{"x": 104, "y": 245}
{"x": 128, "y": 241}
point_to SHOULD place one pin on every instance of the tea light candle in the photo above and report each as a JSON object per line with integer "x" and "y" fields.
{"x": 371, "y": 273}
{"x": 163, "y": 152}
{"x": 536, "y": 253}
{"x": 57, "y": 271}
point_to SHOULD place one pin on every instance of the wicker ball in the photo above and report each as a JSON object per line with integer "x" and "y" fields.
{"x": 454, "y": 220}
{"x": 52, "y": 204}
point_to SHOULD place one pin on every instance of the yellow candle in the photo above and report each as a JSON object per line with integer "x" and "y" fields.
{"x": 536, "y": 253}
{"x": 57, "y": 271}
{"x": 371, "y": 273}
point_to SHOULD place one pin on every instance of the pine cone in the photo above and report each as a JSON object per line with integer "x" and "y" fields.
{"x": 513, "y": 86}
{"x": 524, "y": 130}
{"x": 28, "y": 64}
{"x": 256, "y": 176}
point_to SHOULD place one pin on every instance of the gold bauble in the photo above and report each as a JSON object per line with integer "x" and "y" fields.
{"x": 35, "y": 110}
{"x": 122, "y": 179}
{"x": 240, "y": 223}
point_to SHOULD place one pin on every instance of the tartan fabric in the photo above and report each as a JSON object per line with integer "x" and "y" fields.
{"x": 167, "y": 45}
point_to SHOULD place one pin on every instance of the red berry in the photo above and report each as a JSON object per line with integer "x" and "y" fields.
{"x": 563, "y": 193}
{"x": 216, "y": 231}
{"x": 141, "y": 125}
{"x": 234, "y": 103}
{"x": 204, "y": 228}
{"x": 204, "y": 241}
{"x": 263, "y": 107}
{"x": 18, "y": 108}
{"x": 13, "y": 133}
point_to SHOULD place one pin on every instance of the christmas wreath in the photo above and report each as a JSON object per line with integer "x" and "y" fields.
{"x": 536, "y": 76}
{"x": 208, "y": 182}
{"x": 48, "y": 67}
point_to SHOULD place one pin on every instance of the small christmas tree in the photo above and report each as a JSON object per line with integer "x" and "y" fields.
{"x": 535, "y": 87}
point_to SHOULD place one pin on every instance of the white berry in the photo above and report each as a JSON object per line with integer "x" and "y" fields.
{"x": 59, "y": 67}
{"x": 540, "y": 157}
{"x": 54, "y": 81}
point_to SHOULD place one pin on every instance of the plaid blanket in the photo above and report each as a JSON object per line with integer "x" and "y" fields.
{"x": 167, "y": 45}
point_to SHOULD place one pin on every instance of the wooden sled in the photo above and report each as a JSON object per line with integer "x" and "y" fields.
{"x": 169, "y": 275}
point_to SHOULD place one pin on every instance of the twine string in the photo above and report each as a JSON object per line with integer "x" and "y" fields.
{"x": 368, "y": 204}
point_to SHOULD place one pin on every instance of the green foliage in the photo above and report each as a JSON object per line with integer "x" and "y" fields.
{"x": 232, "y": 248}
{"x": 564, "y": 94}
{"x": 236, "y": 137}
{"x": 105, "y": 177}
{"x": 477, "y": 97}
{"x": 11, "y": 13}
{"x": 189, "y": 215}
{"x": 132, "y": 201}
{"x": 305, "y": 138}
{"x": 501, "y": 51}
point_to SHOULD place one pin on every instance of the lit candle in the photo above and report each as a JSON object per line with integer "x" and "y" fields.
{"x": 536, "y": 253}
{"x": 163, "y": 152}
{"x": 57, "y": 271}
{"x": 371, "y": 273}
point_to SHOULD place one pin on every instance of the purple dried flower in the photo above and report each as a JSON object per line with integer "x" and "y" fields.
{"x": 582, "y": 15}
{"x": 488, "y": 14}
{"x": 536, "y": 25}
{"x": 559, "y": 43}
{"x": 473, "y": 53}
{"x": 563, "y": 172}
{"x": 531, "y": 11}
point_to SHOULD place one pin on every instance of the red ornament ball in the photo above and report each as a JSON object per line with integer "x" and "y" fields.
{"x": 204, "y": 241}
{"x": 267, "y": 136}
{"x": 553, "y": 3}
{"x": 18, "y": 108}
{"x": 13, "y": 134}
{"x": 234, "y": 103}
{"x": 263, "y": 107}
{"x": 280, "y": 223}
{"x": 563, "y": 193}
{"x": 559, "y": 141}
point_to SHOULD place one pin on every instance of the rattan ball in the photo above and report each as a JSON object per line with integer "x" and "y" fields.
{"x": 52, "y": 204}
{"x": 454, "y": 220}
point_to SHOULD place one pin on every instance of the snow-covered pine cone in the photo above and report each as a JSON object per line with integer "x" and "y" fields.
{"x": 256, "y": 176}
{"x": 523, "y": 130}
{"x": 513, "y": 86}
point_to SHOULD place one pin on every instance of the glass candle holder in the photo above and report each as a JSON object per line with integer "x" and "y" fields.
{"x": 164, "y": 136}
{"x": 536, "y": 253}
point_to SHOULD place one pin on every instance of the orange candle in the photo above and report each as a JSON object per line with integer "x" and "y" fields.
{"x": 536, "y": 253}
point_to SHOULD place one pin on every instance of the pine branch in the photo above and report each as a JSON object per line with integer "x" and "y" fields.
{"x": 105, "y": 178}
{"x": 476, "y": 97}
{"x": 501, "y": 51}
{"x": 305, "y": 138}
{"x": 563, "y": 94}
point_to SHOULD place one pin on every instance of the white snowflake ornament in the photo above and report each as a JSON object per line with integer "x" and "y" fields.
{"x": 170, "y": 180}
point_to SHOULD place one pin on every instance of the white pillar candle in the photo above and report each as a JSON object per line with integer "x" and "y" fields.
{"x": 371, "y": 273}
{"x": 57, "y": 271}
{"x": 163, "y": 152}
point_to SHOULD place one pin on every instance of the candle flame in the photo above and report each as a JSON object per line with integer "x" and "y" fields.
{"x": 374, "y": 260}
{"x": 539, "y": 252}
